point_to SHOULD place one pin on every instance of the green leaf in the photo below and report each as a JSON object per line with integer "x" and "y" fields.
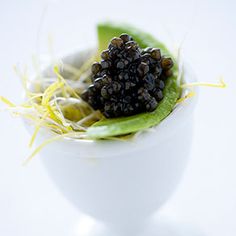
{"x": 125, "y": 125}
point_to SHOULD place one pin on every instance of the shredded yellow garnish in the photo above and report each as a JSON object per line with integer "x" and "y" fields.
{"x": 41, "y": 146}
{"x": 50, "y": 91}
{"x": 53, "y": 139}
{"x": 51, "y": 103}
{"x": 6, "y": 101}
{"x": 188, "y": 95}
{"x": 37, "y": 128}
{"x": 83, "y": 69}
{"x": 56, "y": 71}
{"x": 221, "y": 84}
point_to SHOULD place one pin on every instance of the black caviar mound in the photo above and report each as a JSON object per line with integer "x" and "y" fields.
{"x": 128, "y": 80}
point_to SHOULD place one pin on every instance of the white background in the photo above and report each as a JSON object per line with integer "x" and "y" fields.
{"x": 206, "y": 198}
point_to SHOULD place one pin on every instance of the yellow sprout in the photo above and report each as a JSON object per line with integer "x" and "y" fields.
{"x": 53, "y": 139}
{"x": 41, "y": 146}
{"x": 6, "y": 101}
{"x": 50, "y": 91}
{"x": 221, "y": 84}
{"x": 188, "y": 95}
{"x": 37, "y": 129}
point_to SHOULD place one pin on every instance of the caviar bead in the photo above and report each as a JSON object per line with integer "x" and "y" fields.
{"x": 104, "y": 92}
{"x": 116, "y": 87}
{"x": 145, "y": 56}
{"x": 105, "y": 64}
{"x": 131, "y": 45}
{"x": 125, "y": 37}
{"x": 105, "y": 55}
{"x": 157, "y": 93}
{"x": 103, "y": 72}
{"x": 157, "y": 71}
{"x": 127, "y": 85}
{"x": 85, "y": 95}
{"x": 143, "y": 95}
{"x": 106, "y": 79}
{"x": 156, "y": 54}
{"x": 151, "y": 104}
{"x": 96, "y": 67}
{"x": 127, "y": 99}
{"x": 149, "y": 81}
{"x": 123, "y": 76}
{"x": 143, "y": 69}
{"x": 91, "y": 89}
{"x": 126, "y": 62}
{"x": 93, "y": 102}
{"x": 166, "y": 63}
{"x": 168, "y": 73}
{"x": 120, "y": 65}
{"x": 117, "y": 42}
{"x": 98, "y": 83}
{"x": 128, "y": 109}
{"x": 135, "y": 55}
{"x": 147, "y": 50}
{"x": 160, "y": 84}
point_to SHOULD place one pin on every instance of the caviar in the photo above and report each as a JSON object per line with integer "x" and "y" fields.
{"x": 128, "y": 80}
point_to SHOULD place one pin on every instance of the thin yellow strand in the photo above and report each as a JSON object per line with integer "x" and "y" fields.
{"x": 56, "y": 71}
{"x": 7, "y": 102}
{"x": 48, "y": 141}
{"x": 189, "y": 95}
{"x": 37, "y": 128}
{"x": 40, "y": 147}
{"x": 221, "y": 84}
{"x": 50, "y": 91}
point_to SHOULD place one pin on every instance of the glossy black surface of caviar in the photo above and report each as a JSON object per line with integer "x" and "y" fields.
{"x": 128, "y": 80}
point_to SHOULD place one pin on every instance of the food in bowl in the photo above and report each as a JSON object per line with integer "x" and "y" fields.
{"x": 134, "y": 84}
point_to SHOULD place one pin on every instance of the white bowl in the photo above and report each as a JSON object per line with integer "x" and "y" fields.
{"x": 123, "y": 181}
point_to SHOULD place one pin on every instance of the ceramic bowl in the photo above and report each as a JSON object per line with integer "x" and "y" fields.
{"x": 122, "y": 181}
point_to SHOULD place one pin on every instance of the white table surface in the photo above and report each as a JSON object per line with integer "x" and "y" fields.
{"x": 206, "y": 198}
